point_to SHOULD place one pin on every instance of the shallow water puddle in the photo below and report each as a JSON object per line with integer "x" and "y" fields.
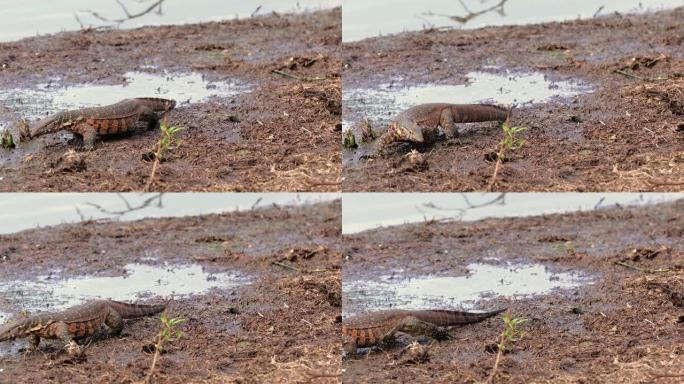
{"x": 509, "y": 89}
{"x": 140, "y": 281}
{"x": 182, "y": 87}
{"x": 456, "y": 292}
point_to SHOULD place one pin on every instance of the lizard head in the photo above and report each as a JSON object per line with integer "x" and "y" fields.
{"x": 19, "y": 326}
{"x": 169, "y": 105}
{"x": 403, "y": 133}
{"x": 12, "y": 330}
{"x": 46, "y": 125}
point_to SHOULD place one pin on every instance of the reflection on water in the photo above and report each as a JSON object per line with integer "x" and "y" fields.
{"x": 454, "y": 292}
{"x": 30, "y": 17}
{"x": 361, "y": 17}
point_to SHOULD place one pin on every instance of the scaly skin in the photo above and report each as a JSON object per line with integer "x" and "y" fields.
{"x": 89, "y": 123}
{"x": 76, "y": 322}
{"x": 380, "y": 327}
{"x": 420, "y": 124}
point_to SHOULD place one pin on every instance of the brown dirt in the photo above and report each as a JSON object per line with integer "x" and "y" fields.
{"x": 283, "y": 327}
{"x": 286, "y": 137}
{"x": 627, "y": 327}
{"x": 626, "y": 136}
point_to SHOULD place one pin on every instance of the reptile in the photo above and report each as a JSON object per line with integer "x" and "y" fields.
{"x": 89, "y": 123}
{"x": 419, "y": 124}
{"x": 375, "y": 328}
{"x": 76, "y": 323}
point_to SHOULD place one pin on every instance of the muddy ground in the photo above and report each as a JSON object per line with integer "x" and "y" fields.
{"x": 283, "y": 135}
{"x": 284, "y": 327}
{"x": 628, "y": 135}
{"x": 627, "y": 327}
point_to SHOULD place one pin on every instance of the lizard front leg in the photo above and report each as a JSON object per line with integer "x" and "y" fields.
{"x": 34, "y": 341}
{"x": 89, "y": 134}
{"x": 349, "y": 347}
{"x": 147, "y": 115}
{"x": 115, "y": 323}
{"x": 61, "y": 331}
{"x": 446, "y": 121}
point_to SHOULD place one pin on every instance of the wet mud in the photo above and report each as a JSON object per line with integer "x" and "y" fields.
{"x": 279, "y": 324}
{"x": 623, "y": 133}
{"x": 277, "y": 132}
{"x": 621, "y": 322}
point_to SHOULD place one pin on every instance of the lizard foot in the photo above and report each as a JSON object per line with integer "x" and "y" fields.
{"x": 73, "y": 349}
{"x": 441, "y": 334}
{"x": 456, "y": 141}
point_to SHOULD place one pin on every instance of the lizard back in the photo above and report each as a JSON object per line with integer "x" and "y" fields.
{"x": 110, "y": 119}
{"x": 368, "y": 329}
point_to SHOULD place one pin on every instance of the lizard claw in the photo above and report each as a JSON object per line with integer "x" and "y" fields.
{"x": 442, "y": 334}
{"x": 455, "y": 141}
{"x": 73, "y": 349}
{"x": 24, "y": 130}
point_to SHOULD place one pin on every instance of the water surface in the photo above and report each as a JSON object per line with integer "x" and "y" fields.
{"x": 364, "y": 18}
{"x": 56, "y": 208}
{"x": 53, "y": 292}
{"x": 455, "y": 292}
{"x": 386, "y": 100}
{"x": 362, "y": 211}
{"x": 48, "y": 98}
{"x": 31, "y": 17}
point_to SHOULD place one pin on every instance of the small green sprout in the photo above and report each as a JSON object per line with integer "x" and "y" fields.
{"x": 349, "y": 139}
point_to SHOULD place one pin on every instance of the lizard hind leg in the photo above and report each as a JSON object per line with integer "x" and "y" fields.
{"x": 34, "y": 341}
{"x": 115, "y": 323}
{"x": 446, "y": 121}
{"x": 415, "y": 327}
{"x": 151, "y": 118}
{"x": 349, "y": 348}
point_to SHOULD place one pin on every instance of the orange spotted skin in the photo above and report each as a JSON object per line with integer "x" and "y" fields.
{"x": 90, "y": 123}
{"x": 76, "y": 322}
{"x": 373, "y": 328}
{"x": 369, "y": 336}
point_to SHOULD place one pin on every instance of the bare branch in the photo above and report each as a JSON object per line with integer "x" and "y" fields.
{"x": 255, "y": 11}
{"x": 500, "y": 199}
{"x": 129, "y": 16}
{"x": 599, "y": 203}
{"x": 129, "y": 208}
{"x": 256, "y": 203}
{"x": 499, "y": 8}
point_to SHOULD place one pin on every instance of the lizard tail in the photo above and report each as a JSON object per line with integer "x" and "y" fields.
{"x": 446, "y": 318}
{"x": 479, "y": 113}
{"x": 157, "y": 104}
{"x": 131, "y": 311}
